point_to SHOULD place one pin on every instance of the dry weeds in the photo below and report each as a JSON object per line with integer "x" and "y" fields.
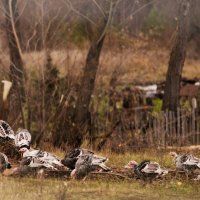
{"x": 103, "y": 187}
{"x": 140, "y": 60}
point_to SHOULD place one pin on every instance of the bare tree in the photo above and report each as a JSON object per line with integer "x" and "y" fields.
{"x": 77, "y": 124}
{"x": 16, "y": 64}
{"x": 177, "y": 59}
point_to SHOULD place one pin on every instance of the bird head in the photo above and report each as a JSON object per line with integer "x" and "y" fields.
{"x": 173, "y": 154}
{"x": 73, "y": 174}
{"x": 131, "y": 165}
{"x": 8, "y": 166}
{"x": 23, "y": 150}
{"x": 24, "y": 144}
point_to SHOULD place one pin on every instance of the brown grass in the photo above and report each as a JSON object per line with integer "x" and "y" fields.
{"x": 139, "y": 60}
{"x": 103, "y": 187}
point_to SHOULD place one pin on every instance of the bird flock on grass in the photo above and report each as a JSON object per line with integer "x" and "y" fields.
{"x": 81, "y": 162}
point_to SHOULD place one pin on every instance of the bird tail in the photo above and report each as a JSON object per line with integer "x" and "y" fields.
{"x": 59, "y": 163}
{"x": 98, "y": 159}
{"x": 104, "y": 167}
{"x": 8, "y": 166}
{"x": 164, "y": 172}
{"x": 100, "y": 162}
{"x": 51, "y": 167}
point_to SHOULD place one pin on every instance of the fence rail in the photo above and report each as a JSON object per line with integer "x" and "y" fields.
{"x": 178, "y": 129}
{"x": 140, "y": 128}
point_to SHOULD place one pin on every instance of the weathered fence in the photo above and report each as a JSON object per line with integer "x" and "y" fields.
{"x": 141, "y": 128}
{"x": 176, "y": 129}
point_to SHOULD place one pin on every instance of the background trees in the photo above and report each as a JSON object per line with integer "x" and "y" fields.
{"x": 177, "y": 59}
{"x": 17, "y": 74}
{"x": 81, "y": 59}
{"x": 96, "y": 28}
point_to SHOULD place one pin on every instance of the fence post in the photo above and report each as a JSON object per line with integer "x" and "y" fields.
{"x": 155, "y": 139}
{"x": 170, "y": 127}
{"x": 166, "y": 129}
{"x": 179, "y": 135}
{"x": 194, "y": 107}
{"x": 198, "y": 132}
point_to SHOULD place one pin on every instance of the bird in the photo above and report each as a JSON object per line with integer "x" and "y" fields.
{"x": 147, "y": 170}
{"x": 71, "y": 157}
{"x": 23, "y": 168}
{"x": 22, "y": 138}
{"x": 30, "y": 165}
{"x": 6, "y": 131}
{"x": 4, "y": 163}
{"x": 186, "y": 162}
{"x": 87, "y": 163}
{"x": 36, "y": 159}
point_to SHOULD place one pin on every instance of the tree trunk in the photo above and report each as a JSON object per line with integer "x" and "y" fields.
{"x": 74, "y": 124}
{"x": 82, "y": 114}
{"x": 17, "y": 95}
{"x": 177, "y": 59}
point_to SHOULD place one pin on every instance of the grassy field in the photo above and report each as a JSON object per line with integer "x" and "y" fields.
{"x": 136, "y": 60}
{"x": 104, "y": 187}
{"x": 96, "y": 189}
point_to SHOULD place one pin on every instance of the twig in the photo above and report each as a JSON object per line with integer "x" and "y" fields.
{"x": 14, "y": 29}
{"x": 112, "y": 174}
{"x": 70, "y": 5}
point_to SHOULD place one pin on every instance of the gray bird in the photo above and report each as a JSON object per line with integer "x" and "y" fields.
{"x": 186, "y": 162}
{"x": 4, "y": 164}
{"x": 36, "y": 161}
{"x": 87, "y": 163}
{"x": 36, "y": 158}
{"x": 72, "y": 156}
{"x": 25, "y": 169}
{"x": 147, "y": 170}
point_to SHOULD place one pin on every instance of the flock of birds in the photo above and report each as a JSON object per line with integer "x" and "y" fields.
{"x": 80, "y": 162}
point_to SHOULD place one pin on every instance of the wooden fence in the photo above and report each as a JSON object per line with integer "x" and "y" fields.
{"x": 180, "y": 129}
{"x": 139, "y": 127}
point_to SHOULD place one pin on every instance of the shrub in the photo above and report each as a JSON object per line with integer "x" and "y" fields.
{"x": 78, "y": 34}
{"x": 155, "y": 23}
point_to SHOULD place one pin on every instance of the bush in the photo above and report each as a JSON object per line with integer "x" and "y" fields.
{"x": 155, "y": 24}
{"x": 78, "y": 34}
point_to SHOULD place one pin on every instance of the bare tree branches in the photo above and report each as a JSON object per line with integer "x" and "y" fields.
{"x": 17, "y": 74}
{"x": 13, "y": 28}
{"x": 99, "y": 7}
{"x": 70, "y": 5}
{"x": 138, "y": 10}
{"x": 108, "y": 21}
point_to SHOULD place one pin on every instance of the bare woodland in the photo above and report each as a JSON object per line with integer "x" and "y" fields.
{"x": 78, "y": 71}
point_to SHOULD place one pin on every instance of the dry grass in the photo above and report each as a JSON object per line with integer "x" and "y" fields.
{"x": 72, "y": 190}
{"x": 103, "y": 187}
{"x": 139, "y": 60}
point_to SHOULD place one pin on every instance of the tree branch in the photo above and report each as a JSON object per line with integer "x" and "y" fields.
{"x": 14, "y": 30}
